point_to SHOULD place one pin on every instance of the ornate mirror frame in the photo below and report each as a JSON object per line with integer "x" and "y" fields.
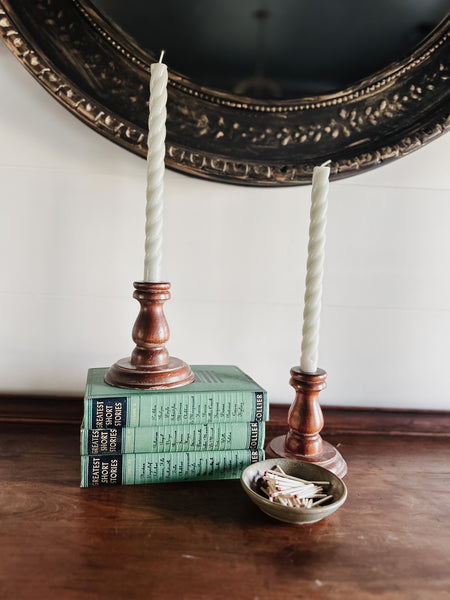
{"x": 96, "y": 72}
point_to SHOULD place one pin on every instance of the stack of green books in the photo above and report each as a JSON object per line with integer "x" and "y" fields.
{"x": 211, "y": 428}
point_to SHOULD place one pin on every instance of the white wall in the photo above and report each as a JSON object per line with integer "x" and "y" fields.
{"x": 71, "y": 241}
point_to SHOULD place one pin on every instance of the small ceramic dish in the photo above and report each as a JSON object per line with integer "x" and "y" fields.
{"x": 251, "y": 477}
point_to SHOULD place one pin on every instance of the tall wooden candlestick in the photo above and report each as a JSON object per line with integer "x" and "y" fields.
{"x": 150, "y": 366}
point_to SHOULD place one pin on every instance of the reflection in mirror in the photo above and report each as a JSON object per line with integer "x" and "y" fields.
{"x": 276, "y": 49}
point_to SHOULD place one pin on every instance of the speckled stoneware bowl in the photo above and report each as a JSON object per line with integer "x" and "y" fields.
{"x": 295, "y": 468}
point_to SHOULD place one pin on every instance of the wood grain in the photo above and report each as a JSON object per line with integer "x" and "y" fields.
{"x": 207, "y": 541}
{"x": 342, "y": 419}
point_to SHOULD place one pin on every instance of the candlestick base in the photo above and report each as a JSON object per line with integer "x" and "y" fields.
{"x": 329, "y": 458}
{"x": 125, "y": 374}
{"x": 305, "y": 420}
{"x": 150, "y": 366}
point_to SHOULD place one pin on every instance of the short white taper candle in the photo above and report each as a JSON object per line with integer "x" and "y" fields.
{"x": 314, "y": 269}
{"x": 155, "y": 171}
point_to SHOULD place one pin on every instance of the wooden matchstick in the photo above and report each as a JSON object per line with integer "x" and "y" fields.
{"x": 321, "y": 501}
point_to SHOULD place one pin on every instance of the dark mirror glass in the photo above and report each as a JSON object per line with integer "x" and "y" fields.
{"x": 276, "y": 49}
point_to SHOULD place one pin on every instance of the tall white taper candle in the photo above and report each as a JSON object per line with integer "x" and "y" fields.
{"x": 314, "y": 269}
{"x": 155, "y": 171}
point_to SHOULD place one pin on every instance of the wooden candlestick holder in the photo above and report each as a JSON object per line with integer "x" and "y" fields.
{"x": 150, "y": 366}
{"x": 305, "y": 419}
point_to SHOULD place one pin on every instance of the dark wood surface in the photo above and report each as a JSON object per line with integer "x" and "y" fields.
{"x": 341, "y": 419}
{"x": 206, "y": 540}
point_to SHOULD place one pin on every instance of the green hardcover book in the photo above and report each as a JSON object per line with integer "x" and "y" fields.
{"x": 173, "y": 438}
{"x": 154, "y": 467}
{"x": 218, "y": 394}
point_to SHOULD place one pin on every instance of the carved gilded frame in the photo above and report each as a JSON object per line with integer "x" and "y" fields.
{"x": 102, "y": 77}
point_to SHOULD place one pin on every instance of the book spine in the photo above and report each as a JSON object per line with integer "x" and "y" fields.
{"x": 173, "y": 438}
{"x": 175, "y": 409}
{"x": 131, "y": 469}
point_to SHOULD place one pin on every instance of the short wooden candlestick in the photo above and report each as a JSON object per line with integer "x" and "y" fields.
{"x": 305, "y": 419}
{"x": 150, "y": 366}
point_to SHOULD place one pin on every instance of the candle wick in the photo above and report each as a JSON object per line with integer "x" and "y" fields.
{"x": 162, "y": 56}
{"x": 326, "y": 163}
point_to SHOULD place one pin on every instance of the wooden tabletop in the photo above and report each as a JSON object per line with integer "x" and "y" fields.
{"x": 206, "y": 540}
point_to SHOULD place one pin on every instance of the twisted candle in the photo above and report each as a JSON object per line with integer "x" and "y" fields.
{"x": 314, "y": 270}
{"x": 155, "y": 171}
